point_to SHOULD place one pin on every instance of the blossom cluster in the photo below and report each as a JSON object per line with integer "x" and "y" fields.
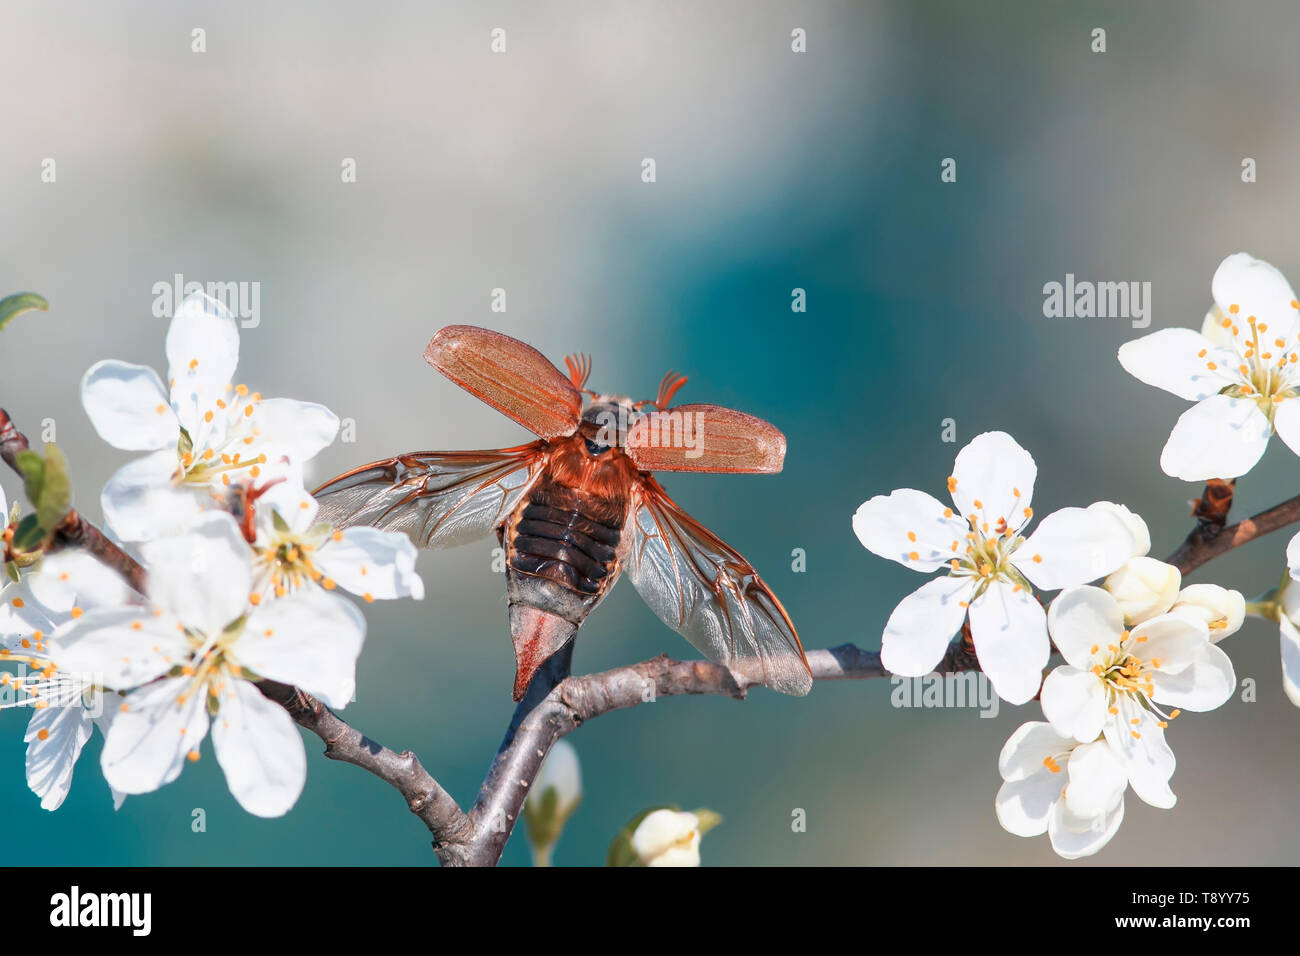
{"x": 1137, "y": 647}
{"x": 243, "y": 585}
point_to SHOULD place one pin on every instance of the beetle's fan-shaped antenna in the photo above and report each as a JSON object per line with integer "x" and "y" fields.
{"x": 579, "y": 368}
{"x": 667, "y": 388}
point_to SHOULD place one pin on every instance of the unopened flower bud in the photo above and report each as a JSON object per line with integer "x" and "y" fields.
{"x": 1223, "y": 610}
{"x": 556, "y": 793}
{"x": 668, "y": 838}
{"x": 1144, "y": 588}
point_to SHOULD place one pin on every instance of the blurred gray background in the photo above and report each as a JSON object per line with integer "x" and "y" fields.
{"x": 775, "y": 170}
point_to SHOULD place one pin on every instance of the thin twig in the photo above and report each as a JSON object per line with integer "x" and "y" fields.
{"x": 424, "y": 796}
{"x": 1198, "y": 548}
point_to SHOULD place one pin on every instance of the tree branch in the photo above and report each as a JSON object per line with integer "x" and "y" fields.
{"x": 557, "y": 703}
{"x": 1201, "y": 547}
{"x": 75, "y": 531}
{"x": 424, "y": 796}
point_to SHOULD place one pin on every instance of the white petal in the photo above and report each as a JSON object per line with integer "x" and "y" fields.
{"x": 76, "y": 577}
{"x": 1096, "y": 780}
{"x": 1026, "y": 751}
{"x": 921, "y": 627}
{"x": 293, "y": 430}
{"x": 1074, "y": 701}
{"x": 1213, "y": 328}
{"x": 259, "y": 749}
{"x": 1178, "y": 361}
{"x": 119, "y": 648}
{"x": 1293, "y": 556}
{"x": 996, "y": 472}
{"x": 51, "y": 758}
{"x": 1081, "y": 618}
{"x": 310, "y": 639}
{"x": 104, "y": 706}
{"x": 149, "y": 739}
{"x": 202, "y": 353}
{"x": 296, "y": 507}
{"x": 374, "y": 563}
{"x": 1010, "y": 632}
{"x": 1073, "y": 838}
{"x": 1024, "y": 806}
{"x": 1220, "y": 609}
{"x": 1258, "y": 289}
{"x": 1146, "y": 757}
{"x": 22, "y": 615}
{"x": 1073, "y": 546}
{"x": 129, "y": 407}
{"x": 203, "y": 577}
{"x": 909, "y": 522}
{"x": 140, "y": 503}
{"x": 687, "y": 855}
{"x": 1290, "y": 660}
{"x": 1221, "y": 437}
{"x": 1136, "y": 526}
{"x": 1169, "y": 643}
{"x": 1286, "y": 419}
{"x": 1203, "y": 685}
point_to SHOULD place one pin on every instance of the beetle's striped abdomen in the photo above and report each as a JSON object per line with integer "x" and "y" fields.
{"x": 563, "y": 549}
{"x": 557, "y": 541}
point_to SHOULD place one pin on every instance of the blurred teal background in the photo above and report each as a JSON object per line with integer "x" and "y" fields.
{"x": 775, "y": 171}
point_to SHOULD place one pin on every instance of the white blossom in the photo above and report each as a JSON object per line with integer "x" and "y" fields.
{"x": 1241, "y": 370}
{"x": 992, "y": 568}
{"x": 294, "y": 551}
{"x": 190, "y": 661}
{"x": 1116, "y": 680}
{"x": 202, "y": 432}
{"x": 1053, "y": 784}
{"x": 66, "y": 706}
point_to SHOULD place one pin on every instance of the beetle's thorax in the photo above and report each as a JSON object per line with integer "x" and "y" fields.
{"x": 606, "y": 421}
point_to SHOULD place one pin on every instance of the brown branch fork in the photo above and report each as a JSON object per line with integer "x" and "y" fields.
{"x": 557, "y": 702}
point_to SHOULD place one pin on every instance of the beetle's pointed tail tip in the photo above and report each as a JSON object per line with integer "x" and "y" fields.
{"x": 537, "y": 635}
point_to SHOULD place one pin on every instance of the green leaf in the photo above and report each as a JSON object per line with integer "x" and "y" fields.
{"x": 56, "y": 490}
{"x": 29, "y": 535}
{"x": 708, "y": 819}
{"x": 11, "y": 569}
{"x": 32, "y": 466}
{"x": 18, "y": 303}
{"x": 621, "y": 852}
